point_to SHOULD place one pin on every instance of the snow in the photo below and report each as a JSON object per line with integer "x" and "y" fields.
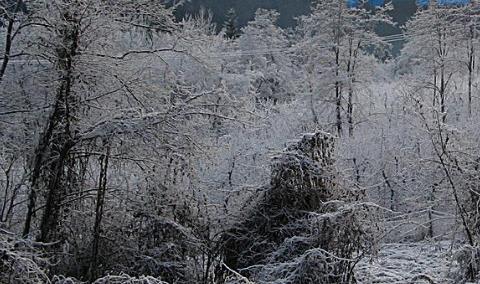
{"x": 409, "y": 263}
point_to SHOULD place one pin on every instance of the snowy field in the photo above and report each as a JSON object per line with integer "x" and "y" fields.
{"x": 409, "y": 263}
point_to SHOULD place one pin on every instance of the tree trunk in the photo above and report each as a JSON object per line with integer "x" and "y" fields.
{"x": 102, "y": 188}
{"x": 434, "y": 101}
{"x": 350, "y": 87}
{"x": 51, "y": 212}
{"x": 471, "y": 67}
{"x": 351, "y": 66}
{"x": 312, "y": 101}
{"x": 430, "y": 212}
{"x": 9, "y": 39}
{"x": 392, "y": 191}
{"x": 338, "y": 92}
{"x": 443, "y": 109}
{"x": 58, "y": 139}
{"x": 38, "y": 161}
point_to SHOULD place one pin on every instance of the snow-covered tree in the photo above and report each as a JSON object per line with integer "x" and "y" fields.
{"x": 263, "y": 47}
{"x": 230, "y": 26}
{"x": 336, "y": 47}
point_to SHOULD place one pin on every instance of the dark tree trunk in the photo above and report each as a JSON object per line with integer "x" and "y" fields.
{"x": 430, "y": 212}
{"x": 471, "y": 68}
{"x": 58, "y": 138}
{"x": 338, "y": 92}
{"x": 9, "y": 39}
{"x": 102, "y": 188}
{"x": 49, "y": 223}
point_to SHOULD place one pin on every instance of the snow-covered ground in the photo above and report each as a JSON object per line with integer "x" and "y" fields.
{"x": 409, "y": 263}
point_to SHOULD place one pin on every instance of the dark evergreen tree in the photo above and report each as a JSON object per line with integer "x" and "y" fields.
{"x": 231, "y": 26}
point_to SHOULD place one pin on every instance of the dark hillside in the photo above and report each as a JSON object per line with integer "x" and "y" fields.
{"x": 288, "y": 9}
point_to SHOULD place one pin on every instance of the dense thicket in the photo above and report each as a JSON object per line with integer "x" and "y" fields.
{"x": 302, "y": 228}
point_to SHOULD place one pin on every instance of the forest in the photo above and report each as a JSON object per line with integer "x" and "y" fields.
{"x": 289, "y": 10}
{"x": 140, "y": 147}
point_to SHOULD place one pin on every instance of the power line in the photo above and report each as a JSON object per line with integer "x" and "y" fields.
{"x": 386, "y": 39}
{"x": 268, "y": 51}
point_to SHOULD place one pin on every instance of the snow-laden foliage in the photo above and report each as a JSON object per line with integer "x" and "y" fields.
{"x": 419, "y": 262}
{"x": 125, "y": 279}
{"x": 21, "y": 261}
{"x": 468, "y": 258}
{"x": 302, "y": 228}
{"x": 140, "y": 146}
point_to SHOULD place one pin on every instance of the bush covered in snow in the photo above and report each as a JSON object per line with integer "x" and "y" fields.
{"x": 20, "y": 261}
{"x": 303, "y": 227}
{"x": 468, "y": 258}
